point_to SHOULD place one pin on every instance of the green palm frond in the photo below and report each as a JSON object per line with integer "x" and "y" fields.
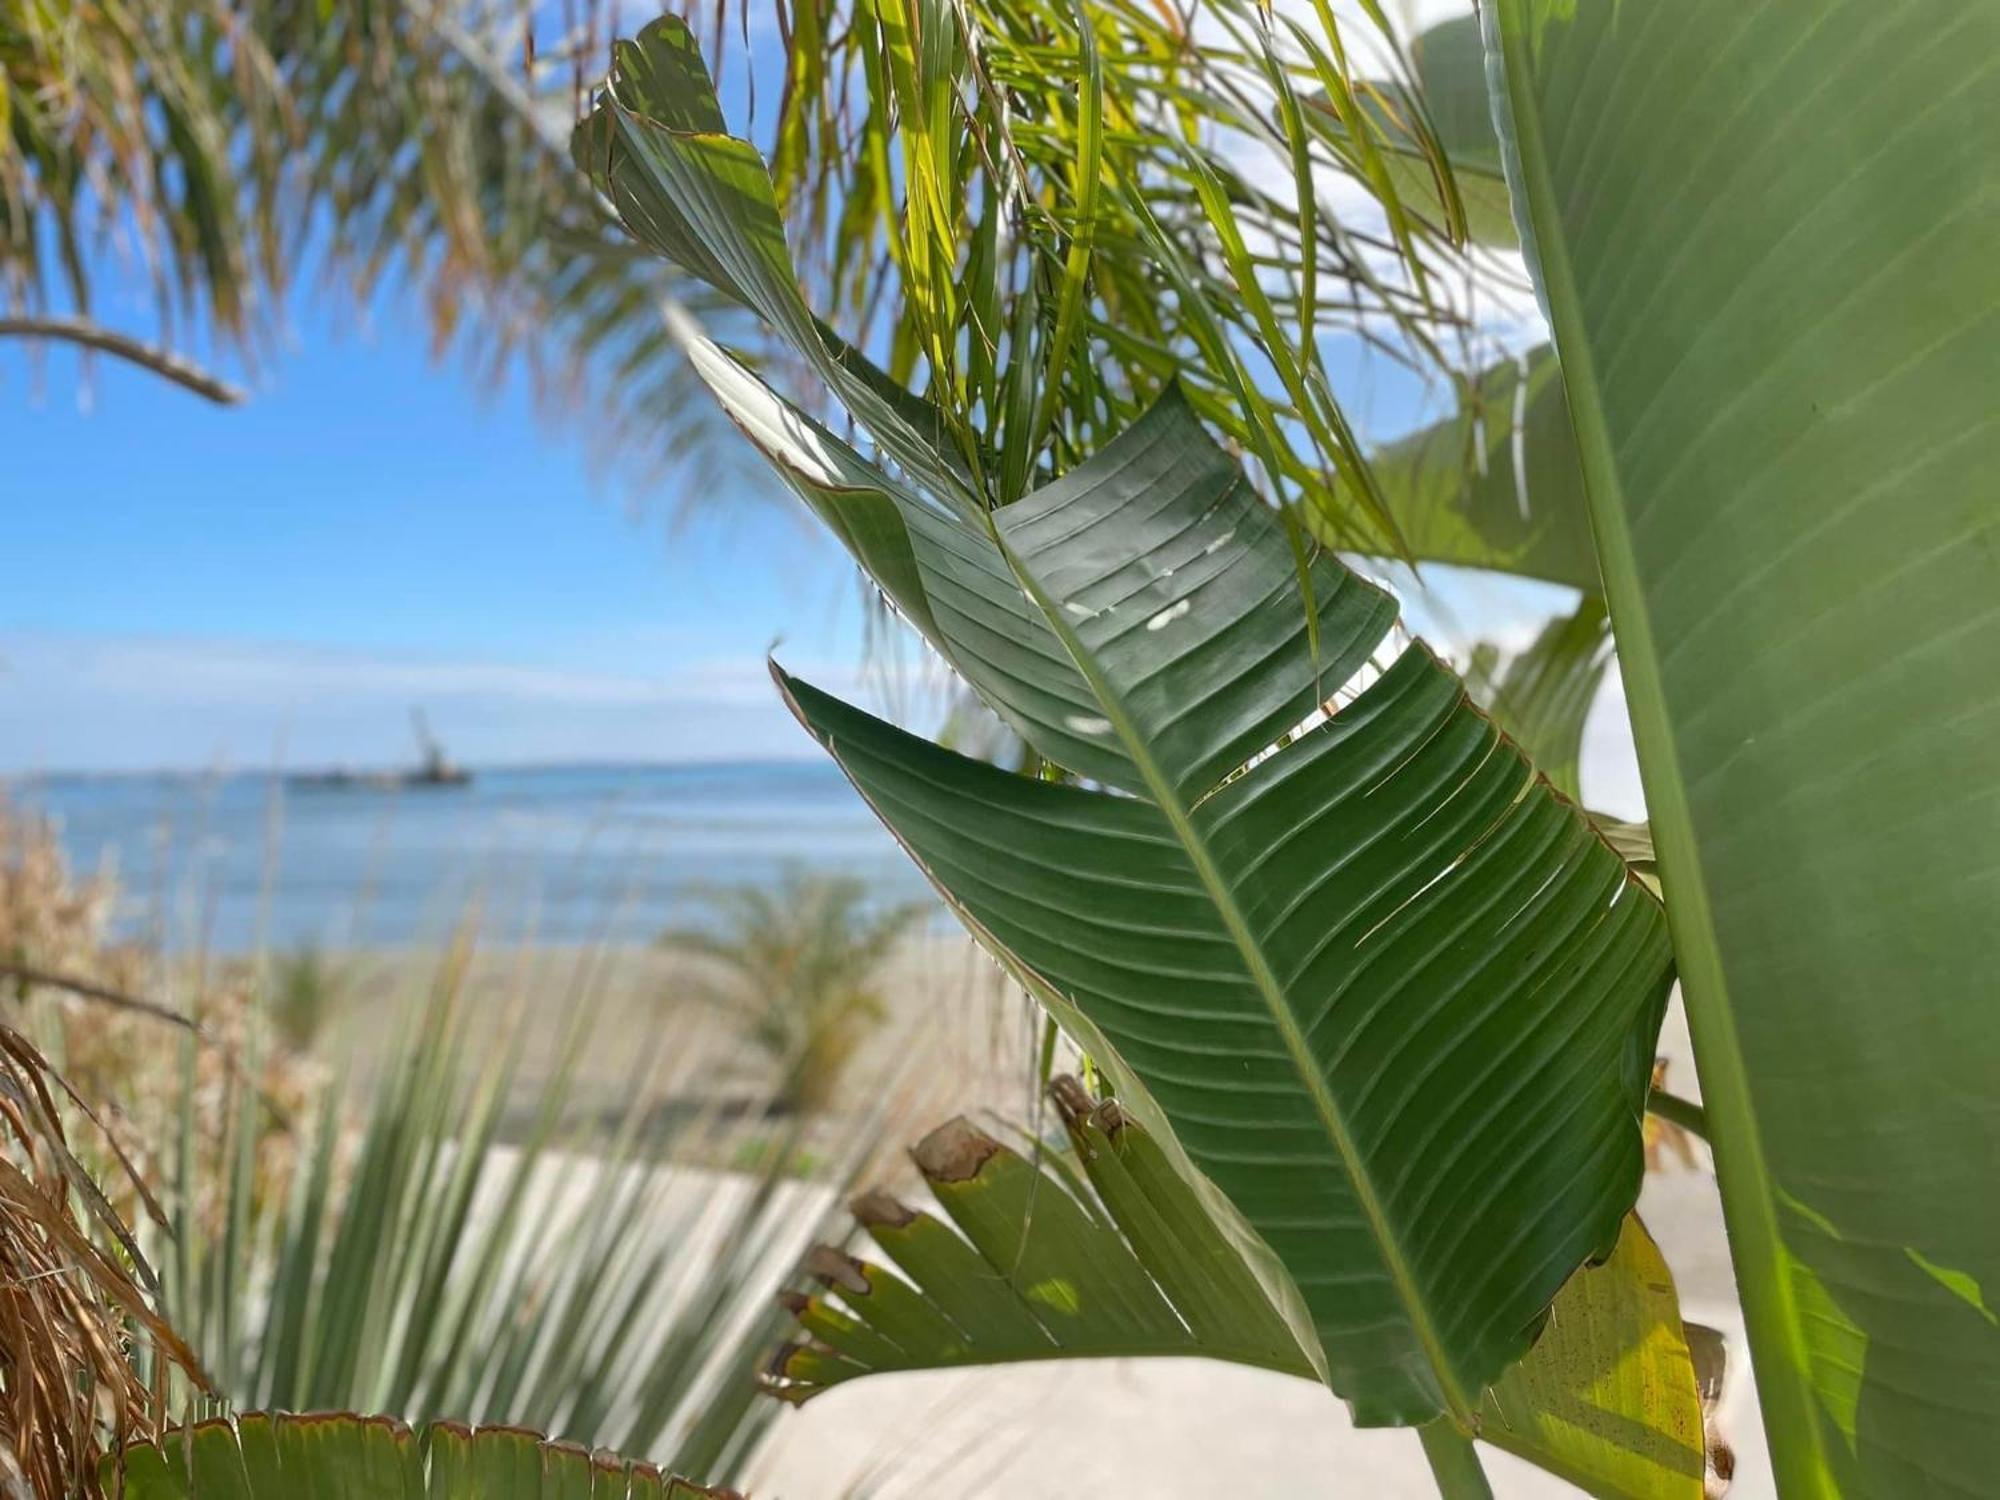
{"x": 798, "y": 965}
{"x": 205, "y": 152}
{"x": 1036, "y": 217}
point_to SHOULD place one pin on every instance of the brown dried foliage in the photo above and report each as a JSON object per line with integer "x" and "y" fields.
{"x": 69, "y": 1310}
{"x": 75, "y": 1292}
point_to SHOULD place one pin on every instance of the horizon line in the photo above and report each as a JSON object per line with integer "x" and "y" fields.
{"x": 10, "y": 777}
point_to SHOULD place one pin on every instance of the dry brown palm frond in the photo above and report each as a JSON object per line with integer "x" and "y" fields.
{"x": 70, "y": 1311}
{"x": 76, "y": 1295}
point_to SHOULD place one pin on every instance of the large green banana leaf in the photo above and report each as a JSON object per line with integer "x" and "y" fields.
{"x": 1102, "y": 1250}
{"x": 1395, "y": 997}
{"x": 1768, "y": 237}
{"x": 341, "y": 1456}
{"x": 1061, "y": 689}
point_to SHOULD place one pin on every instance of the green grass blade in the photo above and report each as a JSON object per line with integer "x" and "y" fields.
{"x": 1076, "y": 261}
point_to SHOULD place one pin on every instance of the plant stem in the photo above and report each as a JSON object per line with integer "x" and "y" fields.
{"x": 29, "y": 977}
{"x": 1454, "y": 1463}
{"x": 1675, "y": 1110}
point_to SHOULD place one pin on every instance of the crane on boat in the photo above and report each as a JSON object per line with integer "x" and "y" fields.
{"x": 434, "y": 768}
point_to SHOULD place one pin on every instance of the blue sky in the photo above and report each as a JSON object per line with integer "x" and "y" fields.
{"x": 192, "y": 585}
{"x": 200, "y": 587}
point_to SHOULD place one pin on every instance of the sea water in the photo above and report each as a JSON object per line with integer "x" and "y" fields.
{"x": 556, "y": 854}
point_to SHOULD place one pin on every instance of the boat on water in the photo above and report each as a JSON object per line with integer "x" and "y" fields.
{"x": 434, "y": 769}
